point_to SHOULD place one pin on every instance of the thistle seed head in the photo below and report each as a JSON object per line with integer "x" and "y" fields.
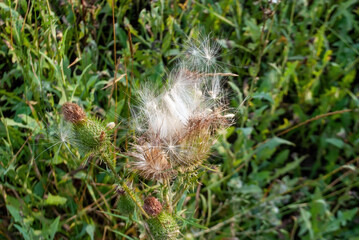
{"x": 152, "y": 206}
{"x": 73, "y": 113}
{"x": 184, "y": 119}
{"x": 201, "y": 53}
{"x": 151, "y": 162}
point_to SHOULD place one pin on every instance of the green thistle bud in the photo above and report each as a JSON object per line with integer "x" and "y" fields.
{"x": 125, "y": 203}
{"x": 90, "y": 135}
{"x": 163, "y": 226}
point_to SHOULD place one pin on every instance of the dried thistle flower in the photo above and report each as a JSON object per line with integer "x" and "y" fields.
{"x": 73, "y": 113}
{"x": 179, "y": 125}
{"x": 152, "y": 206}
{"x": 151, "y": 162}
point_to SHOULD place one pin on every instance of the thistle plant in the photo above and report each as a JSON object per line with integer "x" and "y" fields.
{"x": 89, "y": 135}
{"x": 174, "y": 130}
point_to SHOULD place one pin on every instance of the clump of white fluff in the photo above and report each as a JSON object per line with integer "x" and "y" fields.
{"x": 180, "y": 121}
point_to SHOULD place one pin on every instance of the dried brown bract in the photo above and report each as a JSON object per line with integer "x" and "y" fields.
{"x": 178, "y": 126}
{"x": 152, "y": 206}
{"x": 73, "y": 113}
{"x": 151, "y": 162}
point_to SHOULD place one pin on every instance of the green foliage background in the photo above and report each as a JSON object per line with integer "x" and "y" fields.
{"x": 296, "y": 60}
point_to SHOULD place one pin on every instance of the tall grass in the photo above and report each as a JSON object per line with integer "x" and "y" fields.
{"x": 286, "y": 169}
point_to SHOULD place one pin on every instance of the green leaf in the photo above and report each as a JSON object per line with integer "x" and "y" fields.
{"x": 55, "y": 200}
{"x": 53, "y": 227}
{"x": 263, "y": 95}
{"x": 305, "y": 216}
{"x": 121, "y": 234}
{"x": 246, "y": 131}
{"x": 119, "y": 216}
{"x": 30, "y": 122}
{"x": 14, "y": 213}
{"x": 266, "y": 149}
{"x": 288, "y": 167}
{"x": 347, "y": 215}
{"x": 11, "y": 122}
{"x": 250, "y": 189}
{"x": 192, "y": 223}
{"x": 90, "y": 229}
{"x": 336, "y": 142}
{"x": 24, "y": 232}
{"x": 275, "y": 142}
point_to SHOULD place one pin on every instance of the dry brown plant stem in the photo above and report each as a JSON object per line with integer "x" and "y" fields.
{"x": 313, "y": 119}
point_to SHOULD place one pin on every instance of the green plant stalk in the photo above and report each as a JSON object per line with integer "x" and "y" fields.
{"x": 126, "y": 189}
{"x": 7, "y": 132}
{"x": 129, "y": 192}
{"x": 167, "y": 195}
{"x": 179, "y": 194}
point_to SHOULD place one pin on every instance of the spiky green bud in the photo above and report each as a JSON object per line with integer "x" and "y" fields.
{"x": 90, "y": 135}
{"x": 163, "y": 227}
{"x": 125, "y": 203}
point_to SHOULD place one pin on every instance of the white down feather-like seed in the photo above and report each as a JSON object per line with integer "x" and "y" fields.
{"x": 188, "y": 95}
{"x": 177, "y": 126}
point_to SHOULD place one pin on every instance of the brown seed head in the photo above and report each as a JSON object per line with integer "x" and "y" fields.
{"x": 152, "y": 206}
{"x": 211, "y": 123}
{"x": 73, "y": 113}
{"x": 151, "y": 163}
{"x": 196, "y": 141}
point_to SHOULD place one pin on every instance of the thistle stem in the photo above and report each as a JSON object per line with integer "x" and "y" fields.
{"x": 125, "y": 187}
{"x": 167, "y": 195}
{"x": 129, "y": 192}
{"x": 112, "y": 168}
{"x": 179, "y": 194}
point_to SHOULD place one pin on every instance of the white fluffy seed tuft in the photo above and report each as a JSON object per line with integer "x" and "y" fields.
{"x": 181, "y": 121}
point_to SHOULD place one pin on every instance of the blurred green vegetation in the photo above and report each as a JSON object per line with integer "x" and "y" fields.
{"x": 296, "y": 61}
